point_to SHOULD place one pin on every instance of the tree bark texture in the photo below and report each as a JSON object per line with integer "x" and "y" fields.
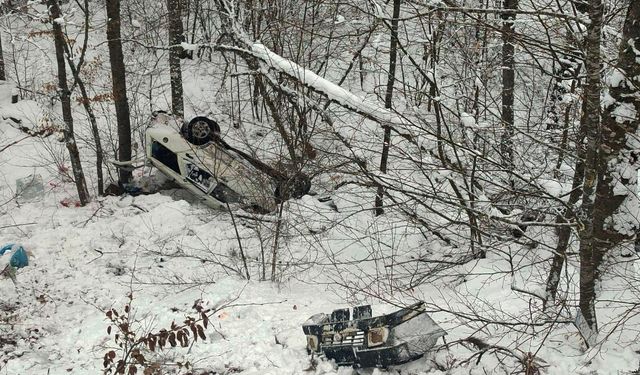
{"x": 564, "y": 232}
{"x": 590, "y": 257}
{"x": 508, "y": 82}
{"x": 176, "y": 52}
{"x": 613, "y": 201}
{"x": 569, "y": 215}
{"x": 86, "y": 102}
{"x": 3, "y": 75}
{"x": 388, "y": 101}
{"x": 619, "y": 153}
{"x": 116, "y": 59}
{"x": 65, "y": 100}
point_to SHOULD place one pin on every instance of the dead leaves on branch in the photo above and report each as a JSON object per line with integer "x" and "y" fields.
{"x": 128, "y": 359}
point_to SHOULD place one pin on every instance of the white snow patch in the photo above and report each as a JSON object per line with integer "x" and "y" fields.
{"x": 6, "y": 91}
{"x": 431, "y": 76}
{"x": 28, "y": 112}
{"x": 378, "y": 12}
{"x": 554, "y": 188}
{"x": 467, "y": 120}
{"x": 624, "y": 112}
{"x": 188, "y": 46}
{"x": 624, "y": 172}
{"x": 478, "y": 83}
{"x": 569, "y": 98}
{"x": 615, "y": 78}
{"x": 607, "y": 100}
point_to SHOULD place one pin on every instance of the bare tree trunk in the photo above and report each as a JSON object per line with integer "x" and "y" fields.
{"x": 589, "y": 254}
{"x": 564, "y": 232}
{"x": 86, "y": 102}
{"x": 116, "y": 59}
{"x": 567, "y": 71}
{"x": 619, "y": 158}
{"x": 176, "y": 36}
{"x": 565, "y": 128}
{"x": 617, "y": 163}
{"x": 65, "y": 100}
{"x": 388, "y": 99}
{"x": 508, "y": 81}
{"x": 3, "y": 76}
{"x": 276, "y": 240}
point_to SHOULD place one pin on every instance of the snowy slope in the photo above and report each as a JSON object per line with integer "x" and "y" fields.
{"x": 164, "y": 250}
{"x": 168, "y": 251}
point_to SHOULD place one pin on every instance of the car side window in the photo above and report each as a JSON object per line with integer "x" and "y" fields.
{"x": 165, "y": 156}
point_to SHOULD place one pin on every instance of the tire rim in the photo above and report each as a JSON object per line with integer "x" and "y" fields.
{"x": 200, "y": 130}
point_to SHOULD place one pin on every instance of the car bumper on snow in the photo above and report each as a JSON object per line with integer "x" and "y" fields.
{"x": 366, "y": 341}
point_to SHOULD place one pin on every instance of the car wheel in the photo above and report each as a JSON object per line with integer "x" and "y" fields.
{"x": 200, "y": 130}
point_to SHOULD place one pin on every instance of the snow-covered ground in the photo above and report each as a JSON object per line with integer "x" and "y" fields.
{"x": 167, "y": 252}
{"x": 163, "y": 252}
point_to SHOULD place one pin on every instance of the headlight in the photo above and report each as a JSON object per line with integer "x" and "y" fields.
{"x": 377, "y": 336}
{"x": 312, "y": 343}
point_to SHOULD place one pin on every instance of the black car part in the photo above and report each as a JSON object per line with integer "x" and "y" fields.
{"x": 200, "y": 130}
{"x": 366, "y": 341}
{"x": 165, "y": 156}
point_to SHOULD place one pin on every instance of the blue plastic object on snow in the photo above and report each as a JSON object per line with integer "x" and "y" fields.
{"x": 19, "y": 256}
{"x": 132, "y": 189}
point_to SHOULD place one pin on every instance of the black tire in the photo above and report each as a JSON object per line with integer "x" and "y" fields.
{"x": 296, "y": 187}
{"x": 301, "y": 186}
{"x": 200, "y": 130}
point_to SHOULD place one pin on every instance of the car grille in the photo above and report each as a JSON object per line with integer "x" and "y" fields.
{"x": 355, "y": 338}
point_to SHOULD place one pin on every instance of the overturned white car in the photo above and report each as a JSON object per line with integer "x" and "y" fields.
{"x": 202, "y": 162}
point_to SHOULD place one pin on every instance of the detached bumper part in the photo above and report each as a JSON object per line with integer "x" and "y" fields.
{"x": 366, "y": 341}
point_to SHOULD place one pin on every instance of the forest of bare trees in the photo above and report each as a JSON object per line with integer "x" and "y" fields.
{"x": 492, "y": 131}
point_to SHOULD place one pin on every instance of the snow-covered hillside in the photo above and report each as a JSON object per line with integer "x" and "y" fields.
{"x": 167, "y": 252}
{"x": 477, "y": 185}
